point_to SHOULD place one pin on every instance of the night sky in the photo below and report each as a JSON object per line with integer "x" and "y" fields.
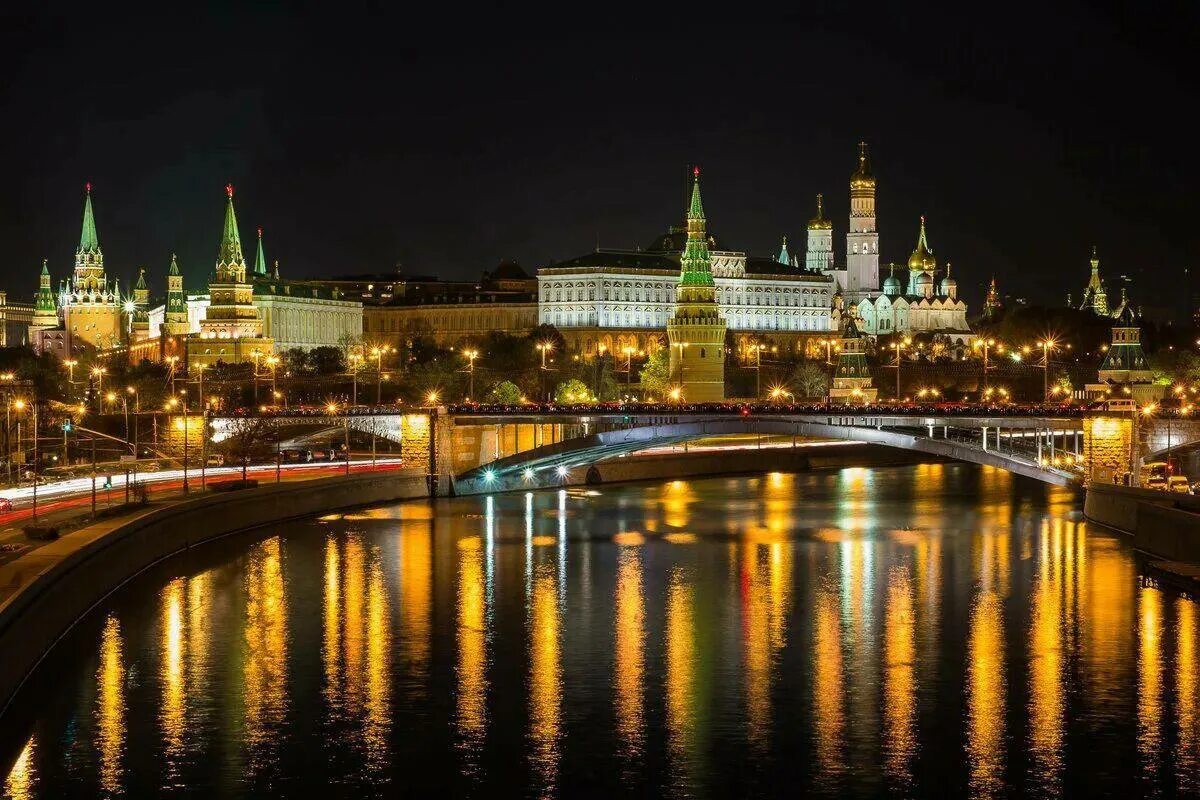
{"x": 363, "y": 136}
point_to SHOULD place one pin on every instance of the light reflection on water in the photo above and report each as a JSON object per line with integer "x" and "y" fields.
{"x": 928, "y": 631}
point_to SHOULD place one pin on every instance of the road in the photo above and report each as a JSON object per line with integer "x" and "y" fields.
{"x": 56, "y": 500}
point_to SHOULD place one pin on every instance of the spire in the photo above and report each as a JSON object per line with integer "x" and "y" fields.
{"x": 174, "y": 268}
{"x": 783, "y": 253}
{"x": 44, "y": 304}
{"x": 141, "y": 281}
{"x": 922, "y": 244}
{"x": 89, "y": 242}
{"x": 275, "y": 274}
{"x": 260, "y": 262}
{"x": 230, "y": 252}
{"x": 696, "y": 210}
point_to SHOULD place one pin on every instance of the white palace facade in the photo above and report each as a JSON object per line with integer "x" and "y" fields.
{"x": 623, "y": 298}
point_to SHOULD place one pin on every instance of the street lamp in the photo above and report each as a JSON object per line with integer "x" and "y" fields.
{"x": 545, "y": 348}
{"x": 172, "y": 361}
{"x": 98, "y": 372}
{"x": 899, "y": 345}
{"x": 471, "y": 355}
{"x": 600, "y": 351}
{"x": 378, "y": 353}
{"x": 629, "y": 351}
{"x": 273, "y": 363}
{"x": 758, "y": 349}
{"x": 984, "y": 344}
{"x": 70, "y": 364}
{"x": 1048, "y": 345}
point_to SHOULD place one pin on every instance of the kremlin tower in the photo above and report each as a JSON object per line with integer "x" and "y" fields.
{"x": 232, "y": 330}
{"x": 818, "y": 256}
{"x": 696, "y": 331}
{"x": 91, "y": 309}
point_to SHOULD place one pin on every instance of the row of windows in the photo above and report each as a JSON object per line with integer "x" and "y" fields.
{"x": 659, "y": 320}
{"x": 638, "y": 293}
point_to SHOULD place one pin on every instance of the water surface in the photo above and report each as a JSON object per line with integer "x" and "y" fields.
{"x": 918, "y": 631}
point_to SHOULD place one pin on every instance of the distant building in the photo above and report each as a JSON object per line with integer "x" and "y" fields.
{"x": 1125, "y": 372}
{"x": 15, "y": 321}
{"x": 618, "y": 299}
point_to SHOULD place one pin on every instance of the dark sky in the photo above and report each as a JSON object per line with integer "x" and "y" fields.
{"x": 360, "y": 136}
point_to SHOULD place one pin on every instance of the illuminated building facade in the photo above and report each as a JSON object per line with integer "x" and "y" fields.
{"x": 625, "y": 298}
{"x": 696, "y": 331}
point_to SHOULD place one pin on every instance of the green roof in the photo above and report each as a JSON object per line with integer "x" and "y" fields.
{"x": 230, "y": 251}
{"x": 260, "y": 261}
{"x": 89, "y": 241}
{"x": 696, "y": 210}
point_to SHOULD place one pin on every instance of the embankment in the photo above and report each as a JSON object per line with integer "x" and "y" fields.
{"x": 56, "y": 584}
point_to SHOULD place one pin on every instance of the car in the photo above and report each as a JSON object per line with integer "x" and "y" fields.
{"x": 215, "y": 460}
{"x": 1179, "y": 484}
{"x": 1156, "y": 482}
{"x": 5, "y": 505}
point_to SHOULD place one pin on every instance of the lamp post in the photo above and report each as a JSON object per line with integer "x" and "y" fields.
{"x": 758, "y": 349}
{"x": 470, "y": 356}
{"x": 899, "y": 345}
{"x": 378, "y": 353}
{"x": 200, "y": 379}
{"x": 353, "y": 361}
{"x": 544, "y": 348}
{"x": 628, "y": 368}
{"x": 682, "y": 346}
{"x": 600, "y": 351}
{"x": 1047, "y": 345}
{"x": 984, "y": 344}
{"x": 98, "y": 372}
{"x": 172, "y": 361}
{"x": 70, "y": 364}
{"x": 273, "y": 363}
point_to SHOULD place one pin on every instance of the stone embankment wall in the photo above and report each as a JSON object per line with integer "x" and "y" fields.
{"x": 1162, "y": 524}
{"x": 71, "y": 575}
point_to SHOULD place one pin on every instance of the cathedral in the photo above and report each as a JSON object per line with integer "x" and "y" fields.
{"x": 918, "y": 303}
{"x": 1095, "y": 294}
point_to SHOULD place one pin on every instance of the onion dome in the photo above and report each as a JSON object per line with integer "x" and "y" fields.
{"x": 924, "y": 284}
{"x": 891, "y": 284}
{"x": 863, "y": 178}
{"x": 949, "y": 285}
{"x": 922, "y": 257}
{"x": 819, "y": 222}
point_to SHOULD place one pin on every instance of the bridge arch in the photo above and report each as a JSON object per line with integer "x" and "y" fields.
{"x": 551, "y": 464}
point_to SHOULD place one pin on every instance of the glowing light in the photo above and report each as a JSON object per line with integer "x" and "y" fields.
{"x": 489, "y": 476}
{"x": 528, "y": 474}
{"x": 561, "y": 471}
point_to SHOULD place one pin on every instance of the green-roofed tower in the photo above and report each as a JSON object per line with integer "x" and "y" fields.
{"x": 696, "y": 331}
{"x": 852, "y": 382}
{"x": 175, "y": 316}
{"x": 89, "y": 241}
{"x": 232, "y": 330}
{"x": 45, "y": 307}
{"x": 91, "y": 308}
{"x": 231, "y": 263}
{"x": 783, "y": 254}
{"x": 260, "y": 261}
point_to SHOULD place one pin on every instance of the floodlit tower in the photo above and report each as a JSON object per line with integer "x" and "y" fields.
{"x": 862, "y": 240}
{"x": 818, "y": 257}
{"x": 696, "y": 331}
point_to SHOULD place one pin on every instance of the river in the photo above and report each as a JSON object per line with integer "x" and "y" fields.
{"x": 925, "y": 631}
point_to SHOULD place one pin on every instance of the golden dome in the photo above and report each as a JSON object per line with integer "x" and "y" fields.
{"x": 922, "y": 258}
{"x": 819, "y": 222}
{"x": 863, "y": 178}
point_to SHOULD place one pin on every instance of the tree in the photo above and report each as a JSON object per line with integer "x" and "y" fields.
{"x": 810, "y": 380}
{"x": 326, "y": 360}
{"x": 572, "y": 391}
{"x": 655, "y": 376}
{"x": 247, "y": 439}
{"x": 505, "y": 392}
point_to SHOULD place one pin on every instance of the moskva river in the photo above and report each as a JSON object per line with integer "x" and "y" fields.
{"x": 927, "y": 631}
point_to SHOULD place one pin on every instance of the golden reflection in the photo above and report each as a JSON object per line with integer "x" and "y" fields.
{"x": 676, "y": 497}
{"x": 630, "y": 651}
{"x": 172, "y": 712}
{"x": 110, "y": 707}
{"x": 1150, "y": 679}
{"x": 265, "y": 667}
{"x": 331, "y": 639}
{"x": 1187, "y": 760}
{"x": 22, "y": 778}
{"x": 545, "y": 691}
{"x": 416, "y": 599}
{"x": 1109, "y": 626}
{"x": 1047, "y": 703}
{"x": 681, "y": 673}
{"x": 830, "y": 718}
{"x": 985, "y": 696}
{"x": 899, "y": 679}
{"x": 767, "y": 574}
{"x": 377, "y": 721}
{"x": 471, "y": 713}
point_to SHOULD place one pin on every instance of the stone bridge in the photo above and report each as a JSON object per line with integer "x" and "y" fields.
{"x": 477, "y": 449}
{"x": 484, "y": 451}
